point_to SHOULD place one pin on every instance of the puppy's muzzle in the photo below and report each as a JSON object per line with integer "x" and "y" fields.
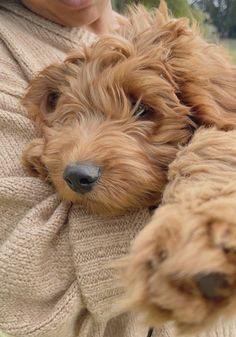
{"x": 81, "y": 178}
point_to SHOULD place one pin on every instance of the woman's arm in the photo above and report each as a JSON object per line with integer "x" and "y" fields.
{"x": 38, "y": 288}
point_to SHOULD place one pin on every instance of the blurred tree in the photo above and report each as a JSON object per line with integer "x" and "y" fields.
{"x": 177, "y": 7}
{"x": 222, "y": 13}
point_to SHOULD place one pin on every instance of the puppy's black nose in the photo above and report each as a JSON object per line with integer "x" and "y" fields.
{"x": 81, "y": 177}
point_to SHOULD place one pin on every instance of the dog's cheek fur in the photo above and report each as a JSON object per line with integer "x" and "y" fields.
{"x": 32, "y": 159}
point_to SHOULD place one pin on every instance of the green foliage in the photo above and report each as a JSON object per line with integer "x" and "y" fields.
{"x": 177, "y": 7}
{"x": 222, "y": 14}
{"x": 230, "y": 45}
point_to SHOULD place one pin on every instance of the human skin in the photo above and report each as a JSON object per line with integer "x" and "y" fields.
{"x": 96, "y": 15}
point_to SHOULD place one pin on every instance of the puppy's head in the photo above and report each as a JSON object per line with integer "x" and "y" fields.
{"x": 112, "y": 115}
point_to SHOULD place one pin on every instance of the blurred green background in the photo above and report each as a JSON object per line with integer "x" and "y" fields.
{"x": 217, "y": 18}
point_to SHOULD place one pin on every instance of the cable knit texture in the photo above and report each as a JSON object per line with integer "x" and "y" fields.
{"x": 55, "y": 275}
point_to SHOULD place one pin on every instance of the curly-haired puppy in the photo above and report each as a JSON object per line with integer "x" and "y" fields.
{"x": 112, "y": 116}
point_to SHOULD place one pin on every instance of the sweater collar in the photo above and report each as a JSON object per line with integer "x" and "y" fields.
{"x": 16, "y": 7}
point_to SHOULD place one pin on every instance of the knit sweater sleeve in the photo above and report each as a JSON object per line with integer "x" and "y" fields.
{"x": 38, "y": 289}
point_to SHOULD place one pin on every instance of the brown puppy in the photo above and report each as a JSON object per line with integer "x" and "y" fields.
{"x": 113, "y": 115}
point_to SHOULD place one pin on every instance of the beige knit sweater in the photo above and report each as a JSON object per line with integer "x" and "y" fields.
{"x": 55, "y": 278}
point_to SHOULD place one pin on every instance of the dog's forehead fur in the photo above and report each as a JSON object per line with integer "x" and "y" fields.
{"x": 106, "y": 84}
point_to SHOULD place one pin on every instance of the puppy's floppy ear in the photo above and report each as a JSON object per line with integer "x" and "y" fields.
{"x": 208, "y": 87}
{"x": 32, "y": 158}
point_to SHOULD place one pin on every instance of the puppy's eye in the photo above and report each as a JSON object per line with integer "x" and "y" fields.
{"x": 52, "y": 99}
{"x": 141, "y": 110}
